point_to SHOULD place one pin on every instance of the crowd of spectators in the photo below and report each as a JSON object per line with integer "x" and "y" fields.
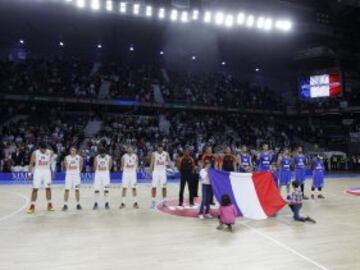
{"x": 20, "y": 138}
{"x": 220, "y": 89}
{"x": 50, "y": 76}
{"x": 130, "y": 82}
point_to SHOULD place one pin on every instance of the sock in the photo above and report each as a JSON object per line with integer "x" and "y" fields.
{"x": 135, "y": 199}
{"x": 65, "y": 203}
{"x": 96, "y": 197}
{"x": 106, "y": 195}
{"x": 123, "y": 200}
{"x": 49, "y": 201}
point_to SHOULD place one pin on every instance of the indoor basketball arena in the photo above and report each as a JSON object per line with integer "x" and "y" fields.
{"x": 179, "y": 134}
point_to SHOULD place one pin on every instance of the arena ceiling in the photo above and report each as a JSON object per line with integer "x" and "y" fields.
{"x": 42, "y": 25}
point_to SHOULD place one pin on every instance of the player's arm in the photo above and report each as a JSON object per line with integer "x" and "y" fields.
{"x": 52, "y": 162}
{"x": 81, "y": 164}
{"x": 122, "y": 163}
{"x": 137, "y": 162}
{"x": 251, "y": 166}
{"x": 178, "y": 162}
{"x": 171, "y": 165}
{"x": 66, "y": 165}
{"x": 110, "y": 163}
{"x": 152, "y": 162}
{"x": 95, "y": 164}
{"x": 234, "y": 162}
{"x": 32, "y": 162}
{"x": 279, "y": 162}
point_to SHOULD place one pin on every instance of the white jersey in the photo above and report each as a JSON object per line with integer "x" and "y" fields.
{"x": 130, "y": 162}
{"x": 160, "y": 161}
{"x": 43, "y": 160}
{"x": 73, "y": 164}
{"x": 103, "y": 163}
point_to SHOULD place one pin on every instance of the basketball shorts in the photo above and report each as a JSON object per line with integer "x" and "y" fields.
{"x": 101, "y": 180}
{"x": 72, "y": 181}
{"x": 129, "y": 179}
{"x": 42, "y": 178}
{"x": 159, "y": 179}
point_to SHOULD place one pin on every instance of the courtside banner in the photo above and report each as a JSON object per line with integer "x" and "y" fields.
{"x": 254, "y": 195}
{"x": 86, "y": 178}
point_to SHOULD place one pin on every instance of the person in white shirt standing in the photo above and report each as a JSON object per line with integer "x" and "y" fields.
{"x": 41, "y": 162}
{"x": 73, "y": 165}
{"x": 102, "y": 166}
{"x": 160, "y": 159}
{"x": 129, "y": 165}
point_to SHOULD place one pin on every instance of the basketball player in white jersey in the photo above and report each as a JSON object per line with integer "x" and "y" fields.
{"x": 102, "y": 166}
{"x": 41, "y": 162}
{"x": 159, "y": 160}
{"x": 73, "y": 165}
{"x": 129, "y": 165}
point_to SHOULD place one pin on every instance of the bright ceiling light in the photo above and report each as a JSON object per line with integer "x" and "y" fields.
{"x": 68, "y": 1}
{"x": 174, "y": 15}
{"x": 80, "y": 3}
{"x": 136, "y": 9}
{"x": 109, "y": 5}
{"x": 283, "y": 25}
{"x": 61, "y": 44}
{"x": 148, "y": 11}
{"x": 240, "y": 19}
{"x": 260, "y": 23}
{"x": 268, "y": 24}
{"x": 195, "y": 15}
{"x": 207, "y": 17}
{"x": 229, "y": 21}
{"x": 161, "y": 13}
{"x": 250, "y": 21}
{"x": 99, "y": 46}
{"x": 95, "y": 5}
{"x": 219, "y": 18}
{"x": 122, "y": 7}
{"x": 184, "y": 17}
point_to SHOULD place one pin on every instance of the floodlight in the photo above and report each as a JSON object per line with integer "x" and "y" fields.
{"x": 80, "y": 3}
{"x": 184, "y": 17}
{"x": 136, "y": 9}
{"x": 95, "y": 5}
{"x": 240, "y": 18}
{"x": 148, "y": 11}
{"x": 61, "y": 44}
{"x": 260, "y": 22}
{"x": 109, "y": 5}
{"x": 229, "y": 20}
{"x": 219, "y": 18}
{"x": 268, "y": 24}
{"x": 122, "y": 7}
{"x": 207, "y": 17}
{"x": 174, "y": 15}
{"x": 161, "y": 13}
{"x": 250, "y": 21}
{"x": 195, "y": 15}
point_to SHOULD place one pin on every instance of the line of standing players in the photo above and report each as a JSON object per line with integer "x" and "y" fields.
{"x": 284, "y": 167}
{"x": 41, "y": 174}
{"x": 41, "y": 159}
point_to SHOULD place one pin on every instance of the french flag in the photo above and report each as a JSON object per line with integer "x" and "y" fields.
{"x": 254, "y": 195}
{"x": 327, "y": 85}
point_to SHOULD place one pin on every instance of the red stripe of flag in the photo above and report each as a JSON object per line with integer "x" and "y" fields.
{"x": 268, "y": 193}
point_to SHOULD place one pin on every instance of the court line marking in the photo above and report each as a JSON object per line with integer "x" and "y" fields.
{"x": 6, "y": 217}
{"x": 282, "y": 245}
